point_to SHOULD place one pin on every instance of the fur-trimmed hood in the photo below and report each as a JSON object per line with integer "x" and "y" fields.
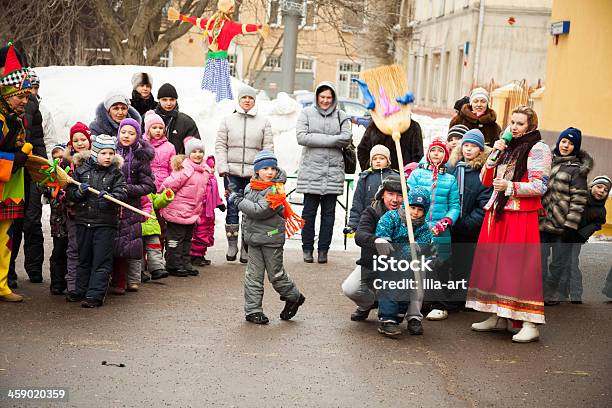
{"x": 488, "y": 117}
{"x": 80, "y": 158}
{"x": 475, "y": 164}
{"x": 103, "y": 123}
{"x": 583, "y": 160}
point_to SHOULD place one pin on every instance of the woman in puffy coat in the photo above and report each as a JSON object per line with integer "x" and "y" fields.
{"x": 478, "y": 115}
{"x": 240, "y": 137}
{"x": 137, "y": 154}
{"x": 323, "y": 131}
{"x": 110, "y": 112}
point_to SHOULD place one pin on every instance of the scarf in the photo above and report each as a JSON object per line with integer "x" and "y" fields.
{"x": 515, "y": 158}
{"x": 127, "y": 152}
{"x": 276, "y": 198}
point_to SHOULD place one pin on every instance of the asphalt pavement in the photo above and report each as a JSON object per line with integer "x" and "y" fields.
{"x": 184, "y": 343}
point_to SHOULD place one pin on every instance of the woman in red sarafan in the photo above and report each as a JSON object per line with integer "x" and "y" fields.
{"x": 506, "y": 278}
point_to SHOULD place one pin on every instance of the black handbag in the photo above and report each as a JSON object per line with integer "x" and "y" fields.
{"x": 349, "y": 154}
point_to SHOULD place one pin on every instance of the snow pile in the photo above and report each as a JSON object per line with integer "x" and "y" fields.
{"x": 72, "y": 94}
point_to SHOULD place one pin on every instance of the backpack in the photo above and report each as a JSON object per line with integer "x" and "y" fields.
{"x": 349, "y": 154}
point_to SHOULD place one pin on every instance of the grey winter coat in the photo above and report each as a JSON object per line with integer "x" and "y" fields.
{"x": 322, "y": 135}
{"x": 567, "y": 193}
{"x": 240, "y": 137}
{"x": 261, "y": 225}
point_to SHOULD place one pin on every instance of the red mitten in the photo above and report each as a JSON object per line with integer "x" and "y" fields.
{"x": 442, "y": 225}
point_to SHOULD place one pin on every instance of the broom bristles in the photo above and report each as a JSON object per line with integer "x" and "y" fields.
{"x": 393, "y": 80}
{"x": 35, "y": 164}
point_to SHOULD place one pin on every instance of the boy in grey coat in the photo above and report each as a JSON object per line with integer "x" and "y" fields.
{"x": 263, "y": 228}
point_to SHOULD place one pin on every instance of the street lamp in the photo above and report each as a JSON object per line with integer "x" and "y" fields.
{"x": 291, "y": 11}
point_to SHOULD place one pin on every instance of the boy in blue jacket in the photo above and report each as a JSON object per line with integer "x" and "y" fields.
{"x": 392, "y": 229}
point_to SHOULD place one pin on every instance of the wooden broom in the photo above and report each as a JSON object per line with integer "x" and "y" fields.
{"x": 386, "y": 83}
{"x": 49, "y": 173}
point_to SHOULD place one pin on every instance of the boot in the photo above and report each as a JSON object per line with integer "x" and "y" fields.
{"x": 231, "y": 231}
{"x": 322, "y": 256}
{"x": 528, "y": 333}
{"x": 11, "y": 297}
{"x": 493, "y": 323}
{"x": 308, "y": 255}
{"x": 244, "y": 252}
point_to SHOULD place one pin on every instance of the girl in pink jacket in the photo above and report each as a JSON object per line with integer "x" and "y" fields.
{"x": 189, "y": 181}
{"x": 155, "y": 133}
{"x": 204, "y": 232}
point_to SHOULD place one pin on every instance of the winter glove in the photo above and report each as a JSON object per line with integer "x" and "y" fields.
{"x": 235, "y": 197}
{"x": 102, "y": 193}
{"x": 19, "y": 161}
{"x": 417, "y": 248}
{"x": 383, "y": 247}
{"x": 348, "y": 230}
{"x": 222, "y": 207}
{"x": 83, "y": 188}
{"x": 441, "y": 226}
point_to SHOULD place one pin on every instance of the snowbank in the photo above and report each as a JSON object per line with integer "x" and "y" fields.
{"x": 72, "y": 93}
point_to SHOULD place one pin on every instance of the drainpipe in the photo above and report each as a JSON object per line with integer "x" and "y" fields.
{"x": 478, "y": 40}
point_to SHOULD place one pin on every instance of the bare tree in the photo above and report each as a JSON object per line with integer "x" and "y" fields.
{"x": 51, "y": 32}
{"x": 137, "y": 31}
{"x": 362, "y": 27}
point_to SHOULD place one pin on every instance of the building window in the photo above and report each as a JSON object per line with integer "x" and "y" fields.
{"x": 346, "y": 72}
{"x": 354, "y": 16}
{"x": 273, "y": 62}
{"x": 309, "y": 12}
{"x": 232, "y": 59}
{"x": 442, "y": 6}
{"x": 165, "y": 60}
{"x": 304, "y": 64}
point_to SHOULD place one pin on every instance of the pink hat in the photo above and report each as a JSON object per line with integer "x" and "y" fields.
{"x": 152, "y": 118}
{"x": 409, "y": 168}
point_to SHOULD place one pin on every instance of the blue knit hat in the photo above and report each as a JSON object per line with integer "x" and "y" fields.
{"x": 474, "y": 136}
{"x": 263, "y": 159}
{"x": 419, "y": 197}
{"x": 102, "y": 142}
{"x": 574, "y": 135}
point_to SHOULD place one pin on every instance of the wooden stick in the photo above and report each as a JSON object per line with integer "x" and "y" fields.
{"x": 400, "y": 159}
{"x": 114, "y": 200}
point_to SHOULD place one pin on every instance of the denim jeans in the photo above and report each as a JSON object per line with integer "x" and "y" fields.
{"x": 234, "y": 183}
{"x": 575, "y": 275}
{"x": 328, "y": 216}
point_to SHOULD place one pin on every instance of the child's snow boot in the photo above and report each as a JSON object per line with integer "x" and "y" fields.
{"x": 291, "y": 308}
{"x": 231, "y": 231}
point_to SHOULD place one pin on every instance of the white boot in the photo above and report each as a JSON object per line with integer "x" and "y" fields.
{"x": 493, "y": 323}
{"x": 528, "y": 333}
{"x": 437, "y": 314}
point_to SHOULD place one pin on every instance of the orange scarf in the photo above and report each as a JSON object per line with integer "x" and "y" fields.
{"x": 276, "y": 198}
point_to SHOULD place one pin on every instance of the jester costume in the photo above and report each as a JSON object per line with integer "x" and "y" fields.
{"x": 15, "y": 81}
{"x": 220, "y": 30}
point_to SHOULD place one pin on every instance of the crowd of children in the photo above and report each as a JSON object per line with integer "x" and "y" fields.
{"x": 455, "y": 193}
{"x": 99, "y": 244}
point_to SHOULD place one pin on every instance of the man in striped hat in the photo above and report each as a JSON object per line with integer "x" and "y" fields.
{"x": 15, "y": 89}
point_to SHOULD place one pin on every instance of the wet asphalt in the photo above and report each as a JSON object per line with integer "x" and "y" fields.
{"x": 184, "y": 343}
